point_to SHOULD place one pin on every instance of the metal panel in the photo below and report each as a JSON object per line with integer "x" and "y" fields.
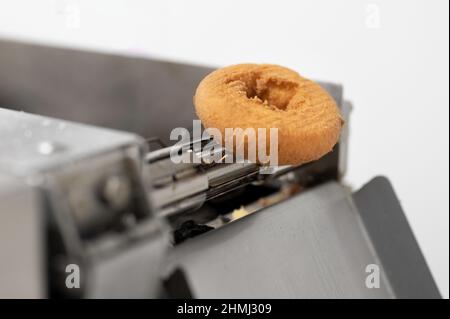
{"x": 147, "y": 97}
{"x": 131, "y": 272}
{"x": 310, "y": 246}
{"x": 22, "y": 251}
{"x": 394, "y": 241}
{"x": 31, "y": 143}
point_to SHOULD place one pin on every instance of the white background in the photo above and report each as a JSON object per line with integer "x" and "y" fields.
{"x": 391, "y": 56}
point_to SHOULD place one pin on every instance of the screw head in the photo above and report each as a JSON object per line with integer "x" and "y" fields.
{"x": 116, "y": 191}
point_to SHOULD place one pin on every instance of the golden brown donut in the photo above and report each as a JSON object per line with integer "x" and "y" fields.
{"x": 265, "y": 96}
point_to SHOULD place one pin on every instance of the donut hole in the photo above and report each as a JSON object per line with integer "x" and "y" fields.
{"x": 275, "y": 93}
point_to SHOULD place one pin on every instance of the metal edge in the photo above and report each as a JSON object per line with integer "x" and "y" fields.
{"x": 394, "y": 241}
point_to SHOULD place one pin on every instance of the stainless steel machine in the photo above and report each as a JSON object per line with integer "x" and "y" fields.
{"x": 86, "y": 179}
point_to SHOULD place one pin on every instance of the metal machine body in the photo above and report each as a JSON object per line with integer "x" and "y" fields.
{"x": 139, "y": 225}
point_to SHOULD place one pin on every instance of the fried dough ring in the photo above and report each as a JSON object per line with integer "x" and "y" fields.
{"x": 271, "y": 96}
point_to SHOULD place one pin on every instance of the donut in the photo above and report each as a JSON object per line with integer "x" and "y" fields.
{"x": 271, "y": 96}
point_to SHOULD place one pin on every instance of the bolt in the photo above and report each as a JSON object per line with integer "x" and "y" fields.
{"x": 116, "y": 191}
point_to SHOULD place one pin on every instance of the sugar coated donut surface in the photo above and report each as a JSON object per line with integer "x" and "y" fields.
{"x": 271, "y": 96}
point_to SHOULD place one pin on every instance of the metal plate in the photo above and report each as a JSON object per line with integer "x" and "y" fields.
{"x": 394, "y": 241}
{"x": 310, "y": 246}
{"x": 31, "y": 143}
{"x": 22, "y": 234}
